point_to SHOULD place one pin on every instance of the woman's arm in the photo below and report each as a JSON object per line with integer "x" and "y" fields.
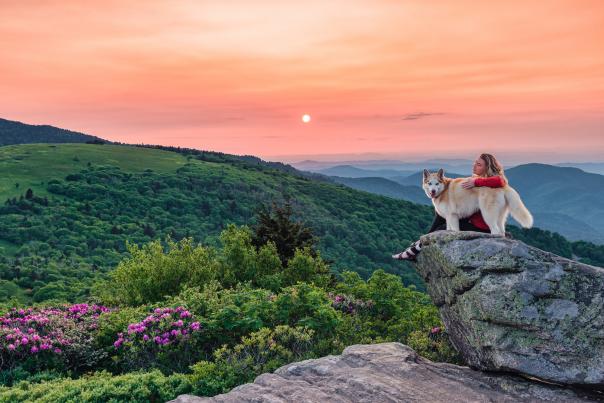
{"x": 490, "y": 181}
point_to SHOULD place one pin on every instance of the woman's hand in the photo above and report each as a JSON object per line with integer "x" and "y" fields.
{"x": 468, "y": 183}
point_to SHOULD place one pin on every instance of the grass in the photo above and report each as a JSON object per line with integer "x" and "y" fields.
{"x": 33, "y": 165}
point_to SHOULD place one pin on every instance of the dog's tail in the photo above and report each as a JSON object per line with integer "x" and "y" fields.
{"x": 517, "y": 208}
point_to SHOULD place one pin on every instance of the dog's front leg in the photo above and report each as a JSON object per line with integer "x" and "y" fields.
{"x": 453, "y": 222}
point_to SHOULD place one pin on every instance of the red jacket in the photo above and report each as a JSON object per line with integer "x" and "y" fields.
{"x": 492, "y": 182}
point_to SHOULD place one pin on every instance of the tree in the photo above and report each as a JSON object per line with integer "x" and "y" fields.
{"x": 278, "y": 226}
{"x": 29, "y": 194}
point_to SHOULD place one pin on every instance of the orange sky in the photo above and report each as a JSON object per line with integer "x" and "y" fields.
{"x": 392, "y": 78}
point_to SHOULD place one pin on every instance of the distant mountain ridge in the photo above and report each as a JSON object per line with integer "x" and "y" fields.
{"x": 350, "y": 171}
{"x": 399, "y": 167}
{"x": 554, "y": 193}
{"x": 385, "y": 187}
{"x": 13, "y": 132}
{"x": 593, "y": 167}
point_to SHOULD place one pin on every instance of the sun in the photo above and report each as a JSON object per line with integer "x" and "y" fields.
{"x": 306, "y": 118}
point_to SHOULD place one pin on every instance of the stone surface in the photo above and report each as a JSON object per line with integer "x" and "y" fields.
{"x": 511, "y": 307}
{"x": 389, "y": 372}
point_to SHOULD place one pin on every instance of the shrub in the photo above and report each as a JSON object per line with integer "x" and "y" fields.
{"x": 150, "y": 275}
{"x": 263, "y": 351}
{"x": 101, "y": 387}
{"x": 434, "y": 344}
{"x": 43, "y": 338}
{"x": 162, "y": 340}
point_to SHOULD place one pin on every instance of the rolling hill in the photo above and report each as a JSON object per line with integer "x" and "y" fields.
{"x": 87, "y": 200}
{"x": 12, "y": 132}
{"x": 385, "y": 187}
{"x": 69, "y": 210}
{"x": 350, "y": 171}
{"x": 564, "y": 199}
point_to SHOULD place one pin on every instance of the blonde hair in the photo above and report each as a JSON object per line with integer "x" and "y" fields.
{"x": 493, "y": 167}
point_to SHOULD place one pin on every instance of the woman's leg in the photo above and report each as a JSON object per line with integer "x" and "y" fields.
{"x": 410, "y": 253}
{"x": 439, "y": 223}
{"x": 466, "y": 225}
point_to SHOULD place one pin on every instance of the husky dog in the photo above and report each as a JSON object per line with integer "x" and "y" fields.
{"x": 453, "y": 202}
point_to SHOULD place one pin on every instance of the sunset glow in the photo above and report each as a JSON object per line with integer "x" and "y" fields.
{"x": 399, "y": 78}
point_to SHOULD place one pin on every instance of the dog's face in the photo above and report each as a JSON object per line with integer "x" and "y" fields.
{"x": 433, "y": 183}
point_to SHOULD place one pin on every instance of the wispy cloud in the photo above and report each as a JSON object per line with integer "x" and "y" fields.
{"x": 420, "y": 115}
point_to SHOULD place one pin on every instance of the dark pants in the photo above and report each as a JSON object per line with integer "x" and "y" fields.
{"x": 440, "y": 223}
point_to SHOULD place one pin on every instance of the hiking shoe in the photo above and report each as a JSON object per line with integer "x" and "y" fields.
{"x": 410, "y": 253}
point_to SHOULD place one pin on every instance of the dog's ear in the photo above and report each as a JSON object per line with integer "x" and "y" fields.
{"x": 441, "y": 173}
{"x": 426, "y": 174}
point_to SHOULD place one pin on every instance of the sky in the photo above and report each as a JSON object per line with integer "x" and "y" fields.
{"x": 379, "y": 78}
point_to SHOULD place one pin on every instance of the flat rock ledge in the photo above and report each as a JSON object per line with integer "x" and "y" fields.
{"x": 390, "y": 372}
{"x": 511, "y": 307}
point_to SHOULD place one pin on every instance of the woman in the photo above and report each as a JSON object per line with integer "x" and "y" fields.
{"x": 487, "y": 171}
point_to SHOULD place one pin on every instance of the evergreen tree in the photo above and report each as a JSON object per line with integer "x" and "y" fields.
{"x": 278, "y": 226}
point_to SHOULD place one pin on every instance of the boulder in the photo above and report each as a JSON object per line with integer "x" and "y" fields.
{"x": 511, "y": 307}
{"x": 388, "y": 372}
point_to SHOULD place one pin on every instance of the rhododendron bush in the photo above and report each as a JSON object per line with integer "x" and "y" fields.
{"x": 59, "y": 337}
{"x": 163, "y": 339}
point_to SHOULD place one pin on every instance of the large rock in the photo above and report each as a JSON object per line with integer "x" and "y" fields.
{"x": 388, "y": 372}
{"x": 511, "y": 307}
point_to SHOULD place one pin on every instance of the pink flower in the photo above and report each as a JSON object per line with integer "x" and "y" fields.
{"x": 11, "y": 347}
{"x": 24, "y": 340}
{"x": 34, "y": 349}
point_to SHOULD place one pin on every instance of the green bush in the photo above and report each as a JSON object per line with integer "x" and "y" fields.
{"x": 101, "y": 387}
{"x": 262, "y": 351}
{"x": 151, "y": 274}
{"x": 434, "y": 345}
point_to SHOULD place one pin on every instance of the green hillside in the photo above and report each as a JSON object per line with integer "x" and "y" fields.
{"x": 88, "y": 200}
{"x": 69, "y": 210}
{"x": 33, "y": 165}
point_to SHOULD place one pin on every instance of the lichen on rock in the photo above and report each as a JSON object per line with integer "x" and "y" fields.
{"x": 511, "y": 307}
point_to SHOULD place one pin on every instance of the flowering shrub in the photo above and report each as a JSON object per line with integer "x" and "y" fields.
{"x": 162, "y": 339}
{"x": 434, "y": 344}
{"x": 348, "y": 304}
{"x": 49, "y": 337}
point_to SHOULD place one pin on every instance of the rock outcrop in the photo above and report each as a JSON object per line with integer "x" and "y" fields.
{"x": 388, "y": 372}
{"x": 512, "y": 307}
